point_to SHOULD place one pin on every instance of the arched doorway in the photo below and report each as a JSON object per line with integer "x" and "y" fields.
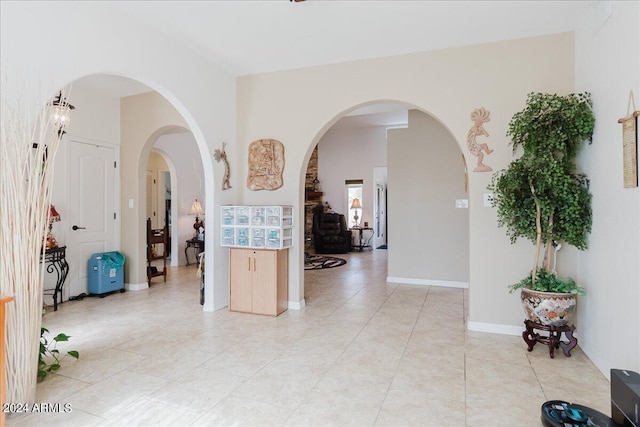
{"x": 429, "y": 237}
{"x": 115, "y": 110}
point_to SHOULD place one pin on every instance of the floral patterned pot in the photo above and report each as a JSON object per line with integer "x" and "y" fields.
{"x": 549, "y": 308}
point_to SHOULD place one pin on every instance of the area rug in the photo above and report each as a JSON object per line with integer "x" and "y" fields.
{"x": 316, "y": 262}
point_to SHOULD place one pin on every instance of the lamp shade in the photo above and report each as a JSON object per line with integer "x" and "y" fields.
{"x": 356, "y": 204}
{"x": 196, "y": 208}
{"x": 53, "y": 214}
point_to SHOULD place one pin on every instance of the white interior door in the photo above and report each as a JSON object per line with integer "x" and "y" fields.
{"x": 92, "y": 199}
{"x": 380, "y": 207}
{"x": 380, "y": 227}
{"x": 153, "y": 206}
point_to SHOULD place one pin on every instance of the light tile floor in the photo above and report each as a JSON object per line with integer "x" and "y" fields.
{"x": 362, "y": 352}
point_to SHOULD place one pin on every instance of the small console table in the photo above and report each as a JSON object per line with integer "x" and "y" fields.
{"x": 56, "y": 262}
{"x": 197, "y": 245}
{"x": 554, "y": 340}
{"x": 363, "y": 243}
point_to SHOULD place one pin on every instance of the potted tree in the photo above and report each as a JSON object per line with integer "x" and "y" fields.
{"x": 541, "y": 197}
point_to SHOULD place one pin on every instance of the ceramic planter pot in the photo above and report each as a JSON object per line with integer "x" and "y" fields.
{"x": 549, "y": 308}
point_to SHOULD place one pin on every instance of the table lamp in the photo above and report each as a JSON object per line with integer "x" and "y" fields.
{"x": 196, "y": 209}
{"x": 356, "y": 205}
{"x": 52, "y": 216}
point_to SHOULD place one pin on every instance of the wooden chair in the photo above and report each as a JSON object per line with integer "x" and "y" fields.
{"x": 154, "y": 238}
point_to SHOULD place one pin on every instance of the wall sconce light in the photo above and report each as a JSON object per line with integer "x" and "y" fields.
{"x": 356, "y": 205}
{"x": 196, "y": 209}
{"x": 52, "y": 216}
{"x": 60, "y": 113}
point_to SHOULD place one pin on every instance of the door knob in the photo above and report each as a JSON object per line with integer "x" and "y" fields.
{"x": 75, "y": 227}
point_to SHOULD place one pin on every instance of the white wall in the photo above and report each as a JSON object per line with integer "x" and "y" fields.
{"x": 608, "y": 66}
{"x": 297, "y": 107}
{"x": 188, "y": 184}
{"x": 97, "y": 112}
{"x": 96, "y": 118}
{"x": 429, "y": 239}
{"x": 351, "y": 153}
{"x": 46, "y": 45}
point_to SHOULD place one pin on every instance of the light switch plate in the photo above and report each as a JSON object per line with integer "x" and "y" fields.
{"x": 462, "y": 203}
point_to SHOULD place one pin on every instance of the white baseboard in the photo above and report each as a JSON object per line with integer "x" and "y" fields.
{"x": 136, "y": 286}
{"x": 594, "y": 356}
{"x": 428, "y": 282}
{"x": 296, "y": 305}
{"x": 495, "y": 328}
{"x": 209, "y": 307}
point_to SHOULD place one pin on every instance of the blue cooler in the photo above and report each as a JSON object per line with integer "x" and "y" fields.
{"x": 106, "y": 273}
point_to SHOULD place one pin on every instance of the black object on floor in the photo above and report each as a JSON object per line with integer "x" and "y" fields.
{"x": 625, "y": 397}
{"x": 625, "y": 404}
{"x": 104, "y": 294}
{"x": 78, "y": 297}
{"x": 558, "y": 413}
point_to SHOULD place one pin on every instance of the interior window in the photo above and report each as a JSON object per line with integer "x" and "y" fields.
{"x": 354, "y": 191}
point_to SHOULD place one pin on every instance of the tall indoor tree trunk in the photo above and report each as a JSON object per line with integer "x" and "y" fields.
{"x": 549, "y": 252}
{"x": 536, "y": 258}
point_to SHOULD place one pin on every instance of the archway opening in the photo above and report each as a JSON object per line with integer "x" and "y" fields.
{"x": 114, "y": 112}
{"x": 401, "y": 148}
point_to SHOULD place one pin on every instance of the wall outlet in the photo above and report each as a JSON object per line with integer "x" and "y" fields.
{"x": 487, "y": 198}
{"x": 462, "y": 203}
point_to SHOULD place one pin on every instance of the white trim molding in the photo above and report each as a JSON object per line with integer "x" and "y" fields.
{"x": 591, "y": 352}
{"x": 136, "y": 286}
{"x": 495, "y": 328}
{"x": 427, "y": 282}
{"x": 296, "y": 305}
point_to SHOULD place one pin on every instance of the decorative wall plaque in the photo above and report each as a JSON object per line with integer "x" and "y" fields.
{"x": 266, "y": 165}
{"x": 220, "y": 154}
{"x": 630, "y": 149}
{"x": 479, "y": 116}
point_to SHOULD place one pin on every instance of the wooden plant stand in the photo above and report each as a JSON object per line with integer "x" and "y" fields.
{"x": 553, "y": 340}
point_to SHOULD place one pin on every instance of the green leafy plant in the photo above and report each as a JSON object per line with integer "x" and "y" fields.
{"x": 540, "y": 196}
{"x": 49, "y": 351}
{"x": 548, "y": 282}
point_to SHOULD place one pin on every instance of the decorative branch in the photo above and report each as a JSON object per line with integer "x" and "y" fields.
{"x": 28, "y": 145}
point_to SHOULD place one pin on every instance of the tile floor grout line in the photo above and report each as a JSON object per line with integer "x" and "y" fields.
{"x": 348, "y": 346}
{"x": 404, "y": 350}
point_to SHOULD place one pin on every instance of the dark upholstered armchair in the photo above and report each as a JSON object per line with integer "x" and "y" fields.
{"x": 330, "y": 233}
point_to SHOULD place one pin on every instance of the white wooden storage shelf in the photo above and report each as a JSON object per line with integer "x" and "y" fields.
{"x": 259, "y": 227}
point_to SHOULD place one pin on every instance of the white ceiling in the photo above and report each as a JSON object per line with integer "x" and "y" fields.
{"x": 246, "y": 37}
